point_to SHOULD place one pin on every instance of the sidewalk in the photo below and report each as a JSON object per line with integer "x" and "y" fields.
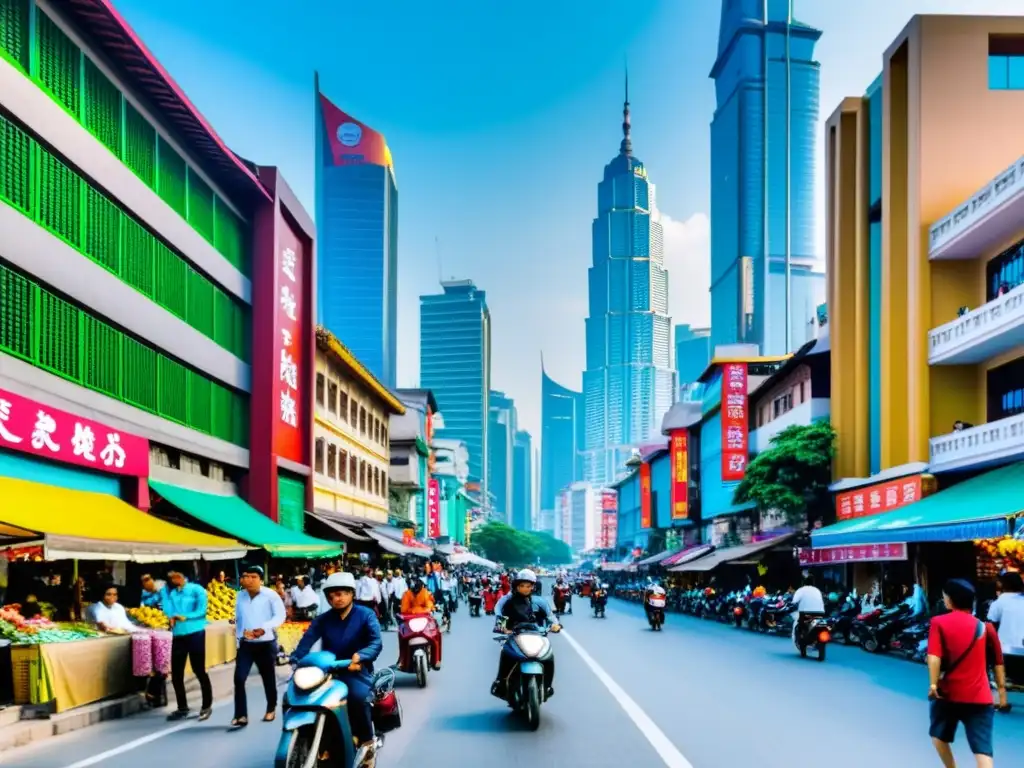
{"x": 15, "y": 732}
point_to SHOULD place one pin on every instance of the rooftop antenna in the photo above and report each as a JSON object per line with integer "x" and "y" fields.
{"x": 626, "y": 147}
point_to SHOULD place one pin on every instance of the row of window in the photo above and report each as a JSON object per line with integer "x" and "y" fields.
{"x": 337, "y": 402}
{"x": 1005, "y": 272}
{"x": 338, "y": 464}
{"x": 74, "y": 81}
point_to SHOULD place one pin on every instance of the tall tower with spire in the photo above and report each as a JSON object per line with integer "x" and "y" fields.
{"x": 629, "y": 383}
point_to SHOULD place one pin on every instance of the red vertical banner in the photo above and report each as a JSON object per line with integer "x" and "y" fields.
{"x": 734, "y": 421}
{"x": 645, "y": 495}
{"x": 433, "y": 508}
{"x": 290, "y": 401}
{"x": 680, "y": 451}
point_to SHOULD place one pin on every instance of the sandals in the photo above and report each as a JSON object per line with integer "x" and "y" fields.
{"x": 270, "y": 717}
{"x": 240, "y": 722}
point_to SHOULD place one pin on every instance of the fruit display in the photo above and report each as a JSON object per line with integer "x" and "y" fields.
{"x": 220, "y": 601}
{"x": 289, "y": 634}
{"x": 153, "y": 618}
{"x": 996, "y": 554}
{"x": 42, "y": 634}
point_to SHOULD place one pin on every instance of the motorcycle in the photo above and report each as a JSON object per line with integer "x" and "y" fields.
{"x": 529, "y": 647}
{"x": 844, "y": 618}
{"x": 656, "y": 611}
{"x": 813, "y": 632}
{"x": 599, "y": 600}
{"x": 419, "y": 646}
{"x": 876, "y": 636}
{"x": 315, "y": 730}
{"x": 475, "y": 602}
{"x": 562, "y": 598}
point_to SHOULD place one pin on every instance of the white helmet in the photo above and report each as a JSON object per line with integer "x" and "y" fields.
{"x": 526, "y": 575}
{"x": 340, "y": 581}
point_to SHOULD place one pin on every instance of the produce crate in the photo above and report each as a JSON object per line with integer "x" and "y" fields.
{"x": 26, "y": 670}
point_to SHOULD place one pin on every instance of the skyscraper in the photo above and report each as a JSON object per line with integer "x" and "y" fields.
{"x": 693, "y": 353}
{"x": 763, "y": 178}
{"x": 501, "y": 436}
{"x": 629, "y": 383}
{"x": 455, "y": 363}
{"x": 357, "y": 238}
{"x": 522, "y": 481}
{"x": 561, "y": 440}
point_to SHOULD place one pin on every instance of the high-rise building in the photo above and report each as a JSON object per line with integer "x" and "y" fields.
{"x": 693, "y": 353}
{"x": 501, "y": 436}
{"x": 580, "y": 508}
{"x": 455, "y": 363}
{"x": 522, "y": 482}
{"x": 357, "y": 238}
{"x": 763, "y": 178}
{"x": 562, "y": 438}
{"x": 629, "y": 383}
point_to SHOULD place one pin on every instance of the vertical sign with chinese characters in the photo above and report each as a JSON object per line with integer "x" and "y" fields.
{"x": 680, "y": 475}
{"x": 28, "y": 426}
{"x": 609, "y": 519}
{"x": 290, "y": 428}
{"x": 734, "y": 421}
{"x": 433, "y": 508}
{"x": 645, "y": 495}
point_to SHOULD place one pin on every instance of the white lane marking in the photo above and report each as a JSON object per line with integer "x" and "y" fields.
{"x": 655, "y": 736}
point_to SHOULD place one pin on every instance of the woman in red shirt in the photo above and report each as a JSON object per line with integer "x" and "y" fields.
{"x": 959, "y": 650}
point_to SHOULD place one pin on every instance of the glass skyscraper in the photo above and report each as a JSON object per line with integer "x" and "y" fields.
{"x": 357, "y": 238}
{"x": 455, "y": 364}
{"x": 763, "y": 178}
{"x": 562, "y": 439}
{"x": 629, "y": 382}
{"x": 522, "y": 481}
{"x": 693, "y": 353}
{"x": 501, "y": 436}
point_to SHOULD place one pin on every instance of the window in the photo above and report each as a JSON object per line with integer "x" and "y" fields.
{"x": 343, "y": 405}
{"x": 399, "y": 461}
{"x": 353, "y": 469}
{"x": 376, "y": 481}
{"x": 384, "y": 434}
{"x": 1005, "y": 272}
{"x": 362, "y": 475}
{"x": 362, "y": 420}
{"x": 802, "y": 391}
{"x": 384, "y": 485}
{"x": 782, "y": 405}
{"x": 1006, "y": 390}
{"x": 343, "y": 466}
{"x": 318, "y": 456}
{"x": 332, "y": 459}
{"x": 332, "y": 396}
{"x": 376, "y": 429}
{"x": 1006, "y": 62}
{"x": 319, "y": 389}
{"x": 353, "y": 412}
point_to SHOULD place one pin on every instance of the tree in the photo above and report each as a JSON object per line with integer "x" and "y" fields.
{"x": 504, "y": 544}
{"x": 792, "y": 476}
{"x": 551, "y": 551}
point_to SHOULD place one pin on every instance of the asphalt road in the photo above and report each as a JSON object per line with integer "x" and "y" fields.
{"x": 697, "y": 695}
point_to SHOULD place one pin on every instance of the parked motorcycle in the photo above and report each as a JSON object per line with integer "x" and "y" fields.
{"x": 315, "y": 729}
{"x": 843, "y": 618}
{"x": 529, "y": 647}
{"x": 876, "y": 636}
{"x": 419, "y": 646}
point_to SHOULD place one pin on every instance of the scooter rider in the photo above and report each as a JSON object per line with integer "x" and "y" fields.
{"x": 653, "y": 589}
{"x": 809, "y": 603}
{"x": 348, "y": 631}
{"x": 521, "y": 606}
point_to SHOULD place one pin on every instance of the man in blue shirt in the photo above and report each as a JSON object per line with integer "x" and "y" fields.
{"x": 348, "y": 631}
{"x": 259, "y": 611}
{"x": 185, "y": 606}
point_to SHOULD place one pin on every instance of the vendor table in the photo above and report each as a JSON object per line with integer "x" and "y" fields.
{"x": 82, "y": 672}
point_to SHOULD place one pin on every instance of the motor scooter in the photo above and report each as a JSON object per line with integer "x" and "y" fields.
{"x": 656, "y": 611}
{"x": 813, "y": 632}
{"x": 529, "y": 647}
{"x": 599, "y": 600}
{"x": 315, "y": 729}
{"x": 475, "y": 602}
{"x": 419, "y": 646}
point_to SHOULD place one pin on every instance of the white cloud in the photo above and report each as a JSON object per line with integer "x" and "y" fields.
{"x": 688, "y": 260}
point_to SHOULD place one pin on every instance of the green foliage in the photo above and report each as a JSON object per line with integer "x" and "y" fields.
{"x": 792, "y": 476}
{"x": 504, "y": 544}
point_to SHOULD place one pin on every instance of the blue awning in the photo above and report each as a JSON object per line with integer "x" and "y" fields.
{"x": 735, "y": 509}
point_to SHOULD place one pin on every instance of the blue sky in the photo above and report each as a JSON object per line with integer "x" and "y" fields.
{"x": 501, "y": 116}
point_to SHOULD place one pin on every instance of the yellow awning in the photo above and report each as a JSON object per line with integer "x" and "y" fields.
{"x": 98, "y": 526}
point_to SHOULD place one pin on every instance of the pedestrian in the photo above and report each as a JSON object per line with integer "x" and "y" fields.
{"x": 151, "y": 590}
{"x": 304, "y": 599}
{"x": 259, "y": 611}
{"x": 368, "y": 591}
{"x": 285, "y": 596}
{"x": 960, "y": 648}
{"x": 1007, "y": 614}
{"x": 185, "y": 606}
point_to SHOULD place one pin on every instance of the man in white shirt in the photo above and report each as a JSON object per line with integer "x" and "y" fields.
{"x": 368, "y": 591}
{"x": 808, "y": 602}
{"x": 259, "y": 611}
{"x": 109, "y": 615}
{"x": 304, "y": 598}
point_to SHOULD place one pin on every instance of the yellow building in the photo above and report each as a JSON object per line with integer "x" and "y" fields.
{"x": 925, "y": 252}
{"x": 351, "y": 456}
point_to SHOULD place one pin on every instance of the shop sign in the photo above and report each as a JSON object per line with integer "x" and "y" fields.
{"x": 645, "y": 495}
{"x": 409, "y": 537}
{"x": 31, "y": 427}
{"x": 680, "y": 475}
{"x": 860, "y": 553}
{"x": 289, "y": 427}
{"x": 734, "y": 421}
{"x": 875, "y": 499}
{"x": 433, "y": 508}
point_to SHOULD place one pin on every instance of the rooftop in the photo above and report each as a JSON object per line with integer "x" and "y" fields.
{"x": 328, "y": 343}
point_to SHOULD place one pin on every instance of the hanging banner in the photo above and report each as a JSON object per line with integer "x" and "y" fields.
{"x": 433, "y": 508}
{"x": 680, "y": 475}
{"x": 734, "y": 421}
{"x": 645, "y": 495}
{"x": 609, "y": 520}
{"x": 863, "y": 553}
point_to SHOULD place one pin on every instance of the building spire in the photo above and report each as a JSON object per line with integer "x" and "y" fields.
{"x": 626, "y": 147}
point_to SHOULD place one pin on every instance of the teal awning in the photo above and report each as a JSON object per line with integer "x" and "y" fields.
{"x": 979, "y": 508}
{"x": 735, "y": 509}
{"x": 235, "y": 517}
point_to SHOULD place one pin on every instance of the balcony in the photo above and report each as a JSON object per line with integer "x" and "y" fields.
{"x": 987, "y": 220}
{"x": 981, "y": 334}
{"x": 808, "y": 411}
{"x": 991, "y": 443}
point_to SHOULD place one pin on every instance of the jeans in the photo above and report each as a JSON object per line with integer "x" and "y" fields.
{"x": 191, "y": 648}
{"x": 264, "y": 656}
{"x": 359, "y": 708}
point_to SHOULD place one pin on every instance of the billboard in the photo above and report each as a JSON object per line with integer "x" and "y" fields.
{"x": 880, "y": 497}
{"x": 734, "y": 421}
{"x": 352, "y": 142}
{"x": 645, "y": 495}
{"x": 680, "y": 456}
{"x": 291, "y": 402}
{"x": 433, "y": 508}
